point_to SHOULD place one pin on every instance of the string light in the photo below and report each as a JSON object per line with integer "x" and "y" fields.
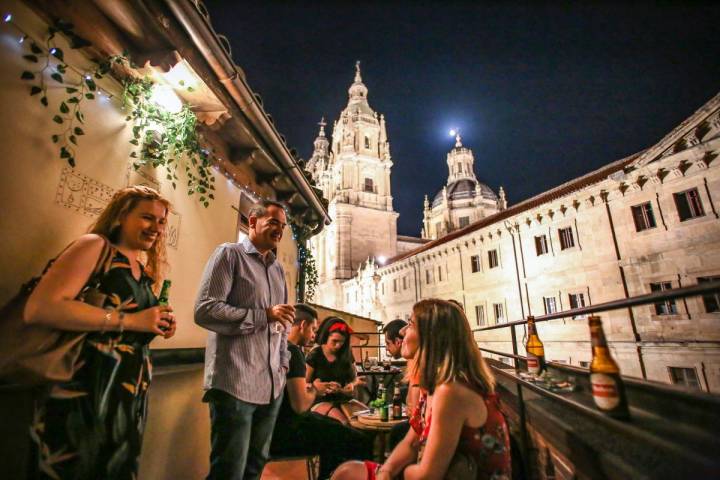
{"x": 53, "y": 51}
{"x": 7, "y": 18}
{"x": 22, "y": 39}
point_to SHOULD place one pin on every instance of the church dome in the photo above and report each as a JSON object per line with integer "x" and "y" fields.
{"x": 462, "y": 189}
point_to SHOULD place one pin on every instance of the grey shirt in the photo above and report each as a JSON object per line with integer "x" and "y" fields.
{"x": 244, "y": 355}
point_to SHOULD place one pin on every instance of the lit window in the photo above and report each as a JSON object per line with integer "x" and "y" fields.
{"x": 643, "y": 217}
{"x": 480, "y": 315}
{"x": 499, "y": 312}
{"x": 541, "y": 245}
{"x": 688, "y": 204}
{"x": 369, "y": 187}
{"x": 685, "y": 376}
{"x": 463, "y": 221}
{"x": 566, "y": 238}
{"x": 475, "y": 263}
{"x": 493, "y": 259}
{"x": 577, "y": 300}
{"x": 550, "y": 305}
{"x": 711, "y": 300}
{"x": 666, "y": 307}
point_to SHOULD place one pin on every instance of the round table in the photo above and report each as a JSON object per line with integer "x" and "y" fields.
{"x": 372, "y": 423}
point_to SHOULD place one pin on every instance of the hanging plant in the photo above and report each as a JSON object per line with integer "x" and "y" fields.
{"x": 168, "y": 139}
{"x": 161, "y": 137}
{"x": 307, "y": 281}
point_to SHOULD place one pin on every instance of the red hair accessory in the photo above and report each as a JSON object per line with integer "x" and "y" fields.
{"x": 343, "y": 327}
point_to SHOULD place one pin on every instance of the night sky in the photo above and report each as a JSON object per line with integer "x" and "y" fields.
{"x": 541, "y": 94}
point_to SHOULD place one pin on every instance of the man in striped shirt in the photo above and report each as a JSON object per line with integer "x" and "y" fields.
{"x": 242, "y": 301}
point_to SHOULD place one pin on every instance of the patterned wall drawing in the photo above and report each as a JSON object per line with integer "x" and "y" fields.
{"x": 82, "y": 194}
{"x": 173, "y": 229}
{"x": 144, "y": 175}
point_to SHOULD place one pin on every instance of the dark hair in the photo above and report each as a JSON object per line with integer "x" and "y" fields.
{"x": 260, "y": 209}
{"x": 392, "y": 329}
{"x": 324, "y": 331}
{"x": 457, "y": 304}
{"x": 304, "y": 312}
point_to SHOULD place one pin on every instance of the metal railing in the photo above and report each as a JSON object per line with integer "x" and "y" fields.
{"x": 647, "y": 432}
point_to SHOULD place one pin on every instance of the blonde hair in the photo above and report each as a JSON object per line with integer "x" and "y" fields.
{"x": 108, "y": 225}
{"x": 447, "y": 351}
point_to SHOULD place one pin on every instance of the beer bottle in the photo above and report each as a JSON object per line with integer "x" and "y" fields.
{"x": 534, "y": 348}
{"x": 383, "y": 404}
{"x": 397, "y": 404}
{"x": 164, "y": 297}
{"x": 608, "y": 390}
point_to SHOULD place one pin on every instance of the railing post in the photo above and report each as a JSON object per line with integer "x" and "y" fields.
{"x": 524, "y": 439}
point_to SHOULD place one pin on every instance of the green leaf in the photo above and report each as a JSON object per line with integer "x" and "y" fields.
{"x": 55, "y": 138}
{"x": 173, "y": 185}
{"x": 64, "y": 108}
{"x": 78, "y": 131}
{"x": 64, "y": 153}
{"x": 44, "y": 101}
{"x": 201, "y": 199}
{"x": 62, "y": 68}
{"x": 35, "y": 49}
{"x": 27, "y": 75}
{"x": 73, "y": 100}
{"x": 57, "y": 77}
{"x": 71, "y": 90}
{"x": 58, "y": 54}
{"x": 71, "y": 161}
{"x": 190, "y": 89}
{"x": 89, "y": 96}
{"x": 73, "y": 139}
{"x": 211, "y": 196}
{"x": 79, "y": 115}
{"x": 90, "y": 84}
{"x": 57, "y": 119}
{"x": 133, "y": 154}
{"x": 31, "y": 58}
{"x": 34, "y": 90}
{"x": 207, "y": 204}
{"x": 134, "y": 142}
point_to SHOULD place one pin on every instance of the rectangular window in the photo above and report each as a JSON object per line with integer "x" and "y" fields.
{"x": 428, "y": 276}
{"x": 710, "y": 300}
{"x": 688, "y": 204}
{"x": 369, "y": 185}
{"x": 439, "y": 273}
{"x": 480, "y": 315}
{"x": 685, "y": 376}
{"x": 367, "y": 142}
{"x": 382, "y": 286}
{"x": 643, "y": 217}
{"x": 464, "y": 221}
{"x": 584, "y": 364}
{"x": 667, "y": 307}
{"x": 550, "y": 305}
{"x": 577, "y": 300}
{"x": 499, "y": 312}
{"x": 566, "y": 238}
{"x": 493, "y": 259}
{"x": 404, "y": 283}
{"x": 475, "y": 263}
{"x": 541, "y": 245}
{"x": 347, "y": 297}
{"x": 394, "y": 284}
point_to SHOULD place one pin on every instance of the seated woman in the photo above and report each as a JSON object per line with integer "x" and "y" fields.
{"x": 331, "y": 369}
{"x": 458, "y": 431}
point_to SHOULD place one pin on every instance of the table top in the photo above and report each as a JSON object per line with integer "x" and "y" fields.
{"x": 372, "y": 422}
{"x": 365, "y": 373}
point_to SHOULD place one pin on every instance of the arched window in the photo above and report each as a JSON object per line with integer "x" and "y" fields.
{"x": 367, "y": 142}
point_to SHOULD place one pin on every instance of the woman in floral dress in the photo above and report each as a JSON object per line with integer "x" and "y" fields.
{"x": 458, "y": 431}
{"x": 91, "y": 427}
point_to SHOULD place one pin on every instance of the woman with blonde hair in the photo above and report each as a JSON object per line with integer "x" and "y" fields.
{"x": 91, "y": 426}
{"x": 457, "y": 430}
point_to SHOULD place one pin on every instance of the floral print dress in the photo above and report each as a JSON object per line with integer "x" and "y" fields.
{"x": 92, "y": 426}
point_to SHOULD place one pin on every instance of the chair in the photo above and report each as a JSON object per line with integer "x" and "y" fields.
{"x": 312, "y": 463}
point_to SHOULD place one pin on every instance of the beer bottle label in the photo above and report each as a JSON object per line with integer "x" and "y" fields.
{"x": 533, "y": 364}
{"x": 604, "y": 391}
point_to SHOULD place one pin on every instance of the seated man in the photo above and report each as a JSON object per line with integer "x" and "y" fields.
{"x": 298, "y": 432}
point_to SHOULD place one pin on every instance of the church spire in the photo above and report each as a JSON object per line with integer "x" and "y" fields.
{"x": 358, "y": 91}
{"x": 358, "y": 78}
{"x": 458, "y": 140}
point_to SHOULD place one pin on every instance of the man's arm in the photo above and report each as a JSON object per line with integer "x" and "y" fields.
{"x": 300, "y": 394}
{"x": 211, "y": 308}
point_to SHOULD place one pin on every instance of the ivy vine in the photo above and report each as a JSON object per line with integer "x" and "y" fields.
{"x": 307, "y": 281}
{"x": 164, "y": 138}
{"x": 161, "y": 137}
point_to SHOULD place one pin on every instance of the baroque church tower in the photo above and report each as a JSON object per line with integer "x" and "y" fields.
{"x": 353, "y": 171}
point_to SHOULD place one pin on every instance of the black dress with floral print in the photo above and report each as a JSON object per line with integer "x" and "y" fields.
{"x": 92, "y": 426}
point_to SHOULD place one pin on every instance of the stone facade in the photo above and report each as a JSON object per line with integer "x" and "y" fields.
{"x": 642, "y": 223}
